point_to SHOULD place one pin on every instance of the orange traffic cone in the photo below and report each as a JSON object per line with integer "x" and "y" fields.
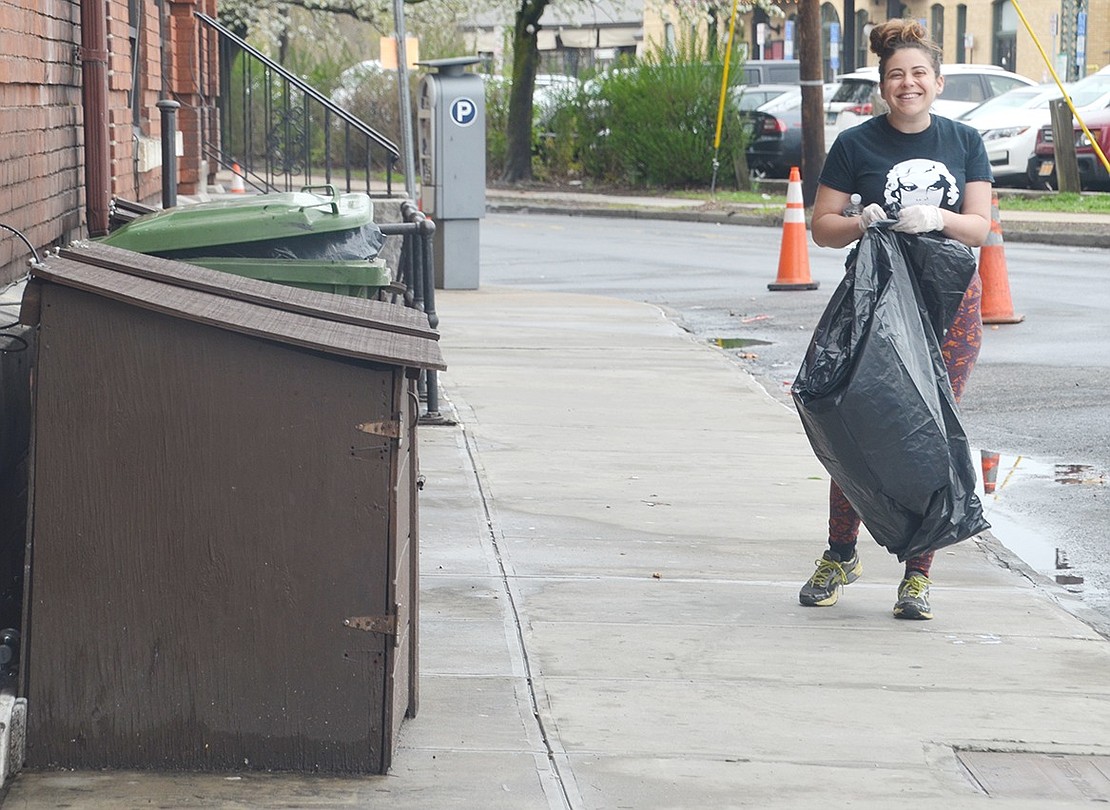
{"x": 997, "y": 306}
{"x": 237, "y": 186}
{"x": 794, "y": 253}
{"x": 990, "y": 471}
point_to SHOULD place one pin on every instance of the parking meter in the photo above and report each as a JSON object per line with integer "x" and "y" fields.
{"x": 451, "y": 123}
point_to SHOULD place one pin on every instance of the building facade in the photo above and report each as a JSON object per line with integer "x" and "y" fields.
{"x": 148, "y": 52}
{"x": 1075, "y": 34}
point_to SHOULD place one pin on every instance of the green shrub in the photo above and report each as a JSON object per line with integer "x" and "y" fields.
{"x": 654, "y": 123}
{"x": 497, "y": 122}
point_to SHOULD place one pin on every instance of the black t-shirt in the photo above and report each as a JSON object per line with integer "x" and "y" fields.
{"x": 886, "y": 166}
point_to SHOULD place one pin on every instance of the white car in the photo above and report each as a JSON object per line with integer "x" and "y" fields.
{"x": 965, "y": 87}
{"x": 1009, "y": 123}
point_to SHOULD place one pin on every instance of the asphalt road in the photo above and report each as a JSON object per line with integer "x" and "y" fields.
{"x": 1038, "y": 395}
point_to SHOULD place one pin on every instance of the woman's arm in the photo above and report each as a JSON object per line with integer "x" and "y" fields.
{"x": 829, "y": 225}
{"x": 973, "y": 223}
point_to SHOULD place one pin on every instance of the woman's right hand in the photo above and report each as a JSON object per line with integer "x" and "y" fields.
{"x": 870, "y": 215}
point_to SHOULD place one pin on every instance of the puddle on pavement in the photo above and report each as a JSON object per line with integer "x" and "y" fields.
{"x": 1079, "y": 474}
{"x": 1037, "y": 551}
{"x": 738, "y": 343}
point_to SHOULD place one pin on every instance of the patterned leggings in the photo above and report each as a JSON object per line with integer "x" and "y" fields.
{"x": 960, "y": 350}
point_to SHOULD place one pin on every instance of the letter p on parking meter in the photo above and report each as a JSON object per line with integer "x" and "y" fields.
{"x": 451, "y": 140}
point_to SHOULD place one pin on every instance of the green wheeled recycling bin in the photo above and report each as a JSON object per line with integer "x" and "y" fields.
{"x": 315, "y": 239}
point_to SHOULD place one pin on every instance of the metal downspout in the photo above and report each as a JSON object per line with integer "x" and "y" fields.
{"x": 94, "y": 101}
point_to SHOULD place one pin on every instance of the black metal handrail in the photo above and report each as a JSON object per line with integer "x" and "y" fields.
{"x": 284, "y": 139}
{"x": 416, "y": 273}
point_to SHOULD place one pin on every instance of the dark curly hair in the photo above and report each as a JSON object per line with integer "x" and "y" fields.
{"x": 894, "y": 35}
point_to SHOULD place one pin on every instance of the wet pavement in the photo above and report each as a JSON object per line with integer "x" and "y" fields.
{"x": 615, "y": 529}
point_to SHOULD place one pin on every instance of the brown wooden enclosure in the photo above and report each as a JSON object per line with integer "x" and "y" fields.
{"x": 224, "y": 521}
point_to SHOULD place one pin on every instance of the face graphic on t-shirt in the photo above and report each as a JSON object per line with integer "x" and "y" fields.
{"x": 921, "y": 182}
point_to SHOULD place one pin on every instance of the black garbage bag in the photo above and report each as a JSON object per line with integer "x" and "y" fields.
{"x": 874, "y": 397}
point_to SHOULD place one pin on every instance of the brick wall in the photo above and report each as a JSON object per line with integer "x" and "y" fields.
{"x": 42, "y": 175}
{"x": 40, "y": 137}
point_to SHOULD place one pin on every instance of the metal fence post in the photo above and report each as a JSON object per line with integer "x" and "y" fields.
{"x": 169, "y": 151}
{"x": 427, "y": 269}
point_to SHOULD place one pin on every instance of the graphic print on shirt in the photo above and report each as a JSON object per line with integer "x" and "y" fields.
{"x": 921, "y": 182}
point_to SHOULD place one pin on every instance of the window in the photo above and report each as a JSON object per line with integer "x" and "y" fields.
{"x": 863, "y": 42}
{"x": 829, "y": 18}
{"x": 1005, "y": 34}
{"x": 961, "y": 33}
{"x": 135, "y": 94}
{"x": 963, "y": 87}
{"x": 936, "y": 24}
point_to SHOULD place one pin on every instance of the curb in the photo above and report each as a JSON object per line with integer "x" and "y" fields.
{"x": 1016, "y": 231}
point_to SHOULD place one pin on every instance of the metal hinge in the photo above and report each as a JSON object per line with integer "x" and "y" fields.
{"x": 390, "y": 428}
{"x": 386, "y": 625}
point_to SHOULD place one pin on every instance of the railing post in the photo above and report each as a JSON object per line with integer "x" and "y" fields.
{"x": 427, "y": 271}
{"x": 169, "y": 109}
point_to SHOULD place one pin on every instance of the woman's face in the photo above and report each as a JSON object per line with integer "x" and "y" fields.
{"x": 910, "y": 84}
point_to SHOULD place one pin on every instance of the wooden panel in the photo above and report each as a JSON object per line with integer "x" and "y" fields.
{"x": 216, "y": 310}
{"x": 15, "y": 432}
{"x": 206, "y": 516}
{"x": 400, "y": 685}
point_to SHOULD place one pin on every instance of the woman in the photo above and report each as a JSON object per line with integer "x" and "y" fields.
{"x": 936, "y": 172}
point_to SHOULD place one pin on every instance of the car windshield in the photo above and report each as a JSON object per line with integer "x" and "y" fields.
{"x": 1014, "y": 99}
{"x": 1089, "y": 90}
{"x": 854, "y": 91}
{"x": 753, "y": 98}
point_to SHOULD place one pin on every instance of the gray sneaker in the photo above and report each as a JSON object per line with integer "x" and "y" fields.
{"x": 823, "y": 588}
{"x": 913, "y": 598}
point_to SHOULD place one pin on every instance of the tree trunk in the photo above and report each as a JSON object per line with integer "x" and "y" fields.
{"x": 526, "y": 59}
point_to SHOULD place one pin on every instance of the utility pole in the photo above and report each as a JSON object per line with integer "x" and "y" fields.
{"x": 408, "y": 161}
{"x": 813, "y": 108}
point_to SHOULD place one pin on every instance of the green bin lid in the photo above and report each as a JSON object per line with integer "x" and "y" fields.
{"x": 247, "y": 219}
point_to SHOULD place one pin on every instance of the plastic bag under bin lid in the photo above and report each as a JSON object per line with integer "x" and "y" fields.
{"x": 293, "y": 225}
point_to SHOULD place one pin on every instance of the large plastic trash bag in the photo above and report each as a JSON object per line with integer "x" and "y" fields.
{"x": 874, "y": 397}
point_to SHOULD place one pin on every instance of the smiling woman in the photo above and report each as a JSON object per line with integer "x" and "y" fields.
{"x": 917, "y": 173}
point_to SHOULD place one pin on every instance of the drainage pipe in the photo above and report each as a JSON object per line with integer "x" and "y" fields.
{"x": 94, "y": 101}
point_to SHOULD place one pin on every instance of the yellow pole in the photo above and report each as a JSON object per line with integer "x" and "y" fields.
{"x": 1060, "y": 84}
{"x": 724, "y": 78}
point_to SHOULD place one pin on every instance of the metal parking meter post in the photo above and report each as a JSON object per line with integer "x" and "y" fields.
{"x": 451, "y": 126}
{"x": 169, "y": 108}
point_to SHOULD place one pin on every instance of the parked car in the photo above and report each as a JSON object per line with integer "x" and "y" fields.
{"x": 1092, "y": 173}
{"x": 769, "y": 71}
{"x": 1009, "y": 123}
{"x": 768, "y": 97}
{"x": 776, "y": 135}
{"x": 349, "y": 81}
{"x": 749, "y": 97}
{"x": 965, "y": 86}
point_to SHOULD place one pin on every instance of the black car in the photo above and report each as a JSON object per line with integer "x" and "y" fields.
{"x": 776, "y": 141}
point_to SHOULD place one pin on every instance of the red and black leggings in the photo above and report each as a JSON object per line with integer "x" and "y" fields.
{"x": 960, "y": 350}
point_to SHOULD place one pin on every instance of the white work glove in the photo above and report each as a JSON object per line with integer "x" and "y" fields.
{"x": 919, "y": 219}
{"x": 870, "y": 215}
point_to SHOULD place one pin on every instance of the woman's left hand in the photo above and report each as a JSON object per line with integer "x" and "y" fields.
{"x": 919, "y": 219}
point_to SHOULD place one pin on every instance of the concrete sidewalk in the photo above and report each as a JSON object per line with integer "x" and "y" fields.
{"x": 614, "y": 535}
